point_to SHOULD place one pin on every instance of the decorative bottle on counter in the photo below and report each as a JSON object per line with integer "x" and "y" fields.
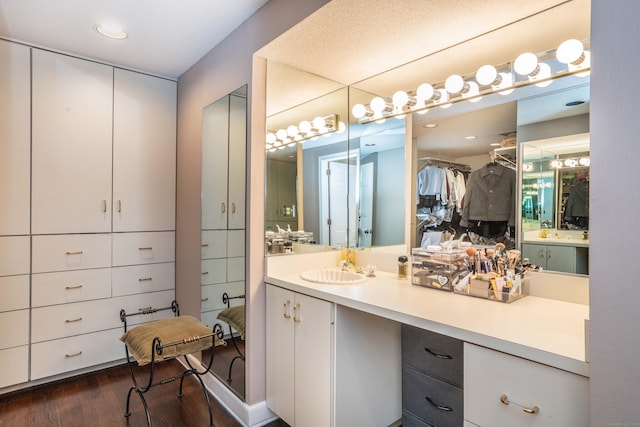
{"x": 402, "y": 267}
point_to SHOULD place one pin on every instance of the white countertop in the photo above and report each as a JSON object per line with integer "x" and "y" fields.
{"x": 544, "y": 330}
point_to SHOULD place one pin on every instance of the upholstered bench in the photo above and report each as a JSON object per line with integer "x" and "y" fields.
{"x": 234, "y": 317}
{"x": 159, "y": 340}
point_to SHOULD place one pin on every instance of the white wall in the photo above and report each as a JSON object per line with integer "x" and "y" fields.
{"x": 615, "y": 202}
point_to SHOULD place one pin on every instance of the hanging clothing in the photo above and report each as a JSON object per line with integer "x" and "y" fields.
{"x": 578, "y": 202}
{"x": 432, "y": 182}
{"x": 490, "y": 195}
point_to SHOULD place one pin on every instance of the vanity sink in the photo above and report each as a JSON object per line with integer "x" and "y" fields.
{"x": 333, "y": 277}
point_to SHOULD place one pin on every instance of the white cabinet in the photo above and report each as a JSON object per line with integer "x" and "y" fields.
{"x": 563, "y": 258}
{"x": 299, "y": 358}
{"x": 144, "y": 152}
{"x": 504, "y": 390}
{"x": 15, "y": 124}
{"x": 71, "y": 144}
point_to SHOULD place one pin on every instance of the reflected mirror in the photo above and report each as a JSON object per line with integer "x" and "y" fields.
{"x": 224, "y": 139}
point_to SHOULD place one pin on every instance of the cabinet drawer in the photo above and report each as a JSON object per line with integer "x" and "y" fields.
{"x": 141, "y": 302}
{"x": 143, "y": 248}
{"x": 139, "y": 279}
{"x": 14, "y": 366}
{"x": 213, "y": 271}
{"x": 214, "y": 244}
{"x": 432, "y": 353}
{"x": 15, "y": 255}
{"x": 235, "y": 243}
{"x": 14, "y": 292}
{"x": 561, "y": 397}
{"x": 70, "y": 286}
{"x": 69, "y": 354}
{"x": 430, "y": 399}
{"x": 15, "y": 328}
{"x": 212, "y": 295}
{"x": 235, "y": 269}
{"x": 71, "y": 252}
{"x": 65, "y": 320}
{"x": 410, "y": 420}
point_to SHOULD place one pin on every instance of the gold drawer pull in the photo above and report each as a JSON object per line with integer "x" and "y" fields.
{"x": 73, "y": 354}
{"x": 73, "y": 287}
{"x": 286, "y": 305}
{"x": 440, "y": 407}
{"x": 145, "y": 279}
{"x": 296, "y": 313}
{"x": 147, "y": 310}
{"x": 438, "y": 355}
{"x": 147, "y": 248}
{"x": 504, "y": 399}
{"x": 74, "y": 252}
{"x": 73, "y": 320}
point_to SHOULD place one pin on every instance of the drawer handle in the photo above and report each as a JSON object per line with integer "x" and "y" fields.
{"x": 147, "y": 310}
{"x": 104, "y": 206}
{"x": 204, "y": 300}
{"x": 204, "y": 272}
{"x": 439, "y": 356}
{"x": 73, "y": 320}
{"x": 286, "y": 305}
{"x": 205, "y": 245}
{"x": 233, "y": 207}
{"x": 296, "y": 313}
{"x": 73, "y": 354}
{"x": 119, "y": 206}
{"x": 74, "y": 252}
{"x": 440, "y": 407}
{"x": 145, "y": 279}
{"x": 73, "y": 287}
{"x": 504, "y": 399}
{"x": 147, "y": 248}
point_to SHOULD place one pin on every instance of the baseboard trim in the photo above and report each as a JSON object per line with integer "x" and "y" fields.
{"x": 255, "y": 415}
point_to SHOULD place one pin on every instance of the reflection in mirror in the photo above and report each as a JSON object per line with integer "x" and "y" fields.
{"x": 223, "y": 235}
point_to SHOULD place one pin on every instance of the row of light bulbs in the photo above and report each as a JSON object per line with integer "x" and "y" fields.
{"x": 571, "y": 52}
{"x": 571, "y": 163}
{"x": 305, "y": 130}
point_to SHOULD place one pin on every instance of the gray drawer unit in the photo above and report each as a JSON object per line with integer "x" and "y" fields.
{"x": 434, "y": 354}
{"x": 432, "y": 379}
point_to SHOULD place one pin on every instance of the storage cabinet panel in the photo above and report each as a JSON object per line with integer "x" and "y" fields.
{"x": 432, "y": 400}
{"x": 215, "y": 167}
{"x": 14, "y": 292}
{"x": 69, "y": 354}
{"x": 235, "y": 269}
{"x": 15, "y": 328}
{"x": 70, "y": 286}
{"x": 15, "y": 256}
{"x": 71, "y": 252}
{"x": 237, "y": 161}
{"x": 561, "y": 398}
{"x": 143, "y": 248}
{"x": 212, "y": 295}
{"x": 213, "y": 271}
{"x": 15, "y": 363}
{"x": 71, "y": 144}
{"x": 551, "y": 257}
{"x": 139, "y": 279}
{"x": 214, "y": 244}
{"x": 235, "y": 243}
{"x": 15, "y": 138}
{"x": 144, "y": 152}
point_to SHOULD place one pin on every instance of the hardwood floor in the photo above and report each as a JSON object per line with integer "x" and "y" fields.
{"x": 98, "y": 399}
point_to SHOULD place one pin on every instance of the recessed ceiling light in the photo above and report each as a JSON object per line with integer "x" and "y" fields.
{"x": 370, "y": 145}
{"x": 574, "y": 103}
{"x": 111, "y": 31}
{"x": 470, "y": 137}
{"x": 430, "y": 125}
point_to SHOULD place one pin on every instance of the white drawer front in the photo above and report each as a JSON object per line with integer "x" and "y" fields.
{"x": 212, "y": 295}
{"x": 69, "y": 354}
{"x": 143, "y": 248}
{"x": 139, "y": 279}
{"x": 15, "y": 328}
{"x": 14, "y": 292}
{"x": 139, "y": 302}
{"x": 14, "y": 366}
{"x": 65, "y": 320}
{"x": 214, "y": 244}
{"x": 235, "y": 269}
{"x": 70, "y": 286}
{"x": 71, "y": 252}
{"x": 235, "y": 244}
{"x": 14, "y": 255}
{"x": 561, "y": 397}
{"x": 213, "y": 271}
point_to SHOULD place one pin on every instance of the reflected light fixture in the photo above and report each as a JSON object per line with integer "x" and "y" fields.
{"x": 572, "y": 53}
{"x": 111, "y": 31}
{"x": 305, "y": 130}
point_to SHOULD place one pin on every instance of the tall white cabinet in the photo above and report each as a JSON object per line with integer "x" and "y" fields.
{"x": 89, "y": 225}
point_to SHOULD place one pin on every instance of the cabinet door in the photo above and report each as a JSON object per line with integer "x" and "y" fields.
{"x": 215, "y": 167}
{"x": 144, "y": 152}
{"x": 280, "y": 353}
{"x": 237, "y": 161}
{"x": 15, "y": 162}
{"x": 71, "y": 144}
{"x": 561, "y": 258}
{"x": 537, "y": 254}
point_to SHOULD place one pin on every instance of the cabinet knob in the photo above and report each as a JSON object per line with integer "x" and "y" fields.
{"x": 233, "y": 207}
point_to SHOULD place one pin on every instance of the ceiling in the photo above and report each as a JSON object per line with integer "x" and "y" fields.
{"x": 165, "y": 38}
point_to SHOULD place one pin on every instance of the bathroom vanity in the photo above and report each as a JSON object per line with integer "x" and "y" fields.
{"x": 520, "y": 364}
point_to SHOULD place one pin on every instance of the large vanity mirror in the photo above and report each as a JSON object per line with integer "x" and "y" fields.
{"x": 224, "y": 139}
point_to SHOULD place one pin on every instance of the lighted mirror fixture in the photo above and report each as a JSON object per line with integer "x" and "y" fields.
{"x": 111, "y": 31}
{"x": 570, "y": 163}
{"x": 319, "y": 126}
{"x": 527, "y": 69}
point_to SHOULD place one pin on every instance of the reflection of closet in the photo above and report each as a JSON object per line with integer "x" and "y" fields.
{"x": 223, "y": 204}
{"x": 281, "y": 206}
{"x": 95, "y": 129}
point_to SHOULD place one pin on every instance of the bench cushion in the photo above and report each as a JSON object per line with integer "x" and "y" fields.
{"x": 234, "y": 317}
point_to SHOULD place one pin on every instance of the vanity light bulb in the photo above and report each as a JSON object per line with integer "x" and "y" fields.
{"x": 506, "y": 82}
{"x": 474, "y": 90}
{"x": 400, "y": 99}
{"x": 585, "y": 161}
{"x": 443, "y": 98}
{"x": 424, "y": 92}
{"x": 556, "y": 164}
{"x": 544, "y": 72}
{"x": 359, "y": 111}
{"x": 319, "y": 124}
{"x": 569, "y": 51}
{"x": 341, "y": 127}
{"x": 304, "y": 126}
{"x": 487, "y": 75}
{"x": 377, "y": 105}
{"x": 281, "y": 134}
{"x": 292, "y": 131}
{"x": 570, "y": 163}
{"x": 454, "y": 84}
{"x": 271, "y": 138}
{"x": 525, "y": 64}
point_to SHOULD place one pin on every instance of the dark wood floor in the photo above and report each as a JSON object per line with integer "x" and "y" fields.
{"x": 98, "y": 399}
{"x": 221, "y": 362}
